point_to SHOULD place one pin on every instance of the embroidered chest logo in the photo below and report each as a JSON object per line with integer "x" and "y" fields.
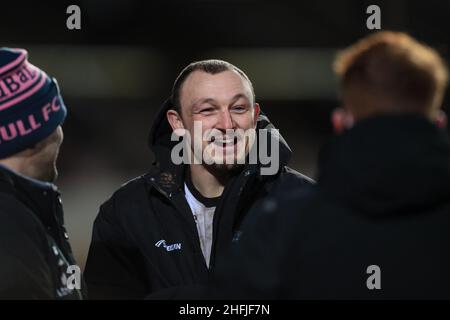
{"x": 168, "y": 247}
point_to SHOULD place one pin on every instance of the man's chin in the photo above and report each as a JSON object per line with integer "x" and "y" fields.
{"x": 54, "y": 177}
{"x": 225, "y": 167}
{"x": 50, "y": 176}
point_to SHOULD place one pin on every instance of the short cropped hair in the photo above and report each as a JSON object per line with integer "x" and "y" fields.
{"x": 212, "y": 66}
{"x": 394, "y": 67}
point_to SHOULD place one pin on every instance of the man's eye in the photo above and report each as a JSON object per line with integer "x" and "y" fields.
{"x": 206, "y": 110}
{"x": 239, "y": 109}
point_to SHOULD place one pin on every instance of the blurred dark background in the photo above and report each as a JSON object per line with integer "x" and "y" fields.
{"x": 116, "y": 71}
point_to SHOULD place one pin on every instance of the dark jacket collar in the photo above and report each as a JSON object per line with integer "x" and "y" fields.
{"x": 388, "y": 163}
{"x": 170, "y": 177}
{"x": 12, "y": 176}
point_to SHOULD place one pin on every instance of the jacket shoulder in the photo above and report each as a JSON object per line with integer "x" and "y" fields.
{"x": 290, "y": 175}
{"x": 129, "y": 188}
{"x": 128, "y": 195}
{"x": 288, "y": 181}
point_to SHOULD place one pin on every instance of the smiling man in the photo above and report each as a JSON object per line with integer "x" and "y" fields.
{"x": 162, "y": 234}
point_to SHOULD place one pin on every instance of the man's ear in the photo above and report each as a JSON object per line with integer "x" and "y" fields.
{"x": 441, "y": 119}
{"x": 341, "y": 119}
{"x": 256, "y": 112}
{"x": 174, "y": 119}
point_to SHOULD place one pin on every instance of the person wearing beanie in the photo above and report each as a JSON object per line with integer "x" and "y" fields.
{"x": 36, "y": 258}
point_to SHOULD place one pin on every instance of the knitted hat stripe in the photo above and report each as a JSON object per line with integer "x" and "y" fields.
{"x": 24, "y": 92}
{"x": 20, "y": 59}
{"x": 22, "y": 74}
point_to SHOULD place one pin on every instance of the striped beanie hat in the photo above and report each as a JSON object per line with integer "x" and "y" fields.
{"x": 31, "y": 107}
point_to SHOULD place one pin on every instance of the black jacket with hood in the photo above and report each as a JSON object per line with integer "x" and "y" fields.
{"x": 145, "y": 241}
{"x": 382, "y": 200}
{"x": 35, "y": 254}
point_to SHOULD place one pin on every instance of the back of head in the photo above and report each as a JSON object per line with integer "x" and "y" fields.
{"x": 390, "y": 72}
{"x": 31, "y": 107}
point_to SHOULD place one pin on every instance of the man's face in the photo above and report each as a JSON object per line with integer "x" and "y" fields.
{"x": 219, "y": 102}
{"x": 45, "y": 159}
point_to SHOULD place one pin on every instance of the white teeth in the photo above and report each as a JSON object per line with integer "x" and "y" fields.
{"x": 224, "y": 141}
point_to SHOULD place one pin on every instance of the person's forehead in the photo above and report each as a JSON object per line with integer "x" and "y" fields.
{"x": 200, "y": 84}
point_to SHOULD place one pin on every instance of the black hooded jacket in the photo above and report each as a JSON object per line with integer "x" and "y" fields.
{"x": 145, "y": 241}
{"x": 35, "y": 254}
{"x": 382, "y": 201}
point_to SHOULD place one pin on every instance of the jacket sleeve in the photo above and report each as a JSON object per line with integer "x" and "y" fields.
{"x": 24, "y": 270}
{"x": 113, "y": 264}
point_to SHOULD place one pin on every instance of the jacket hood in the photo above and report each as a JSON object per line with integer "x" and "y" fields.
{"x": 161, "y": 145}
{"x": 388, "y": 164}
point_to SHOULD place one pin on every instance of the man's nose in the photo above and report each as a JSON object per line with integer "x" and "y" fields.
{"x": 225, "y": 121}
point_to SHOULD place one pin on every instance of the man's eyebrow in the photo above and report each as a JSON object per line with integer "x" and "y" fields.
{"x": 213, "y": 101}
{"x": 202, "y": 101}
{"x": 239, "y": 96}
